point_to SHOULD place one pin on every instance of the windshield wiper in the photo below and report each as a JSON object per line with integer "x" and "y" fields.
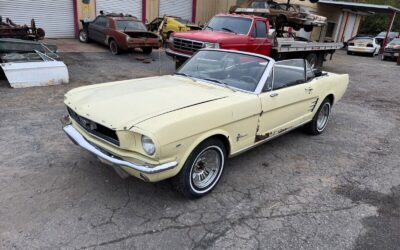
{"x": 211, "y": 28}
{"x": 227, "y": 29}
{"x": 186, "y": 75}
{"x": 220, "y": 83}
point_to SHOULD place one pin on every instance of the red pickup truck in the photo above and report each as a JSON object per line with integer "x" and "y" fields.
{"x": 246, "y": 33}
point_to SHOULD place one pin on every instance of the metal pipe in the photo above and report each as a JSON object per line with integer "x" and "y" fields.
{"x": 385, "y": 41}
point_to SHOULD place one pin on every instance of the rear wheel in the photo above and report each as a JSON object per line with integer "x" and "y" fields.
{"x": 321, "y": 118}
{"x": 349, "y": 53}
{"x": 83, "y": 36}
{"x": 114, "y": 48}
{"x": 147, "y": 50}
{"x": 383, "y": 58}
{"x": 202, "y": 170}
{"x": 308, "y": 28}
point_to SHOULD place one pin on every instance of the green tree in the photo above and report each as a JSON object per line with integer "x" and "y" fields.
{"x": 373, "y": 24}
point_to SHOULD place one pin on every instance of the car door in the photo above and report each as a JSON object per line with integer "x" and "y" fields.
{"x": 97, "y": 29}
{"x": 288, "y": 99}
{"x": 259, "y": 41}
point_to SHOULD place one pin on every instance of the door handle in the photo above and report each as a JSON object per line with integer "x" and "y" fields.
{"x": 309, "y": 89}
{"x": 273, "y": 94}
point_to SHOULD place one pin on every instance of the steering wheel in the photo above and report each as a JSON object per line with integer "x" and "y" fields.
{"x": 248, "y": 79}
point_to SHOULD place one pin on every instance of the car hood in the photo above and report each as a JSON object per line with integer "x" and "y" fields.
{"x": 206, "y": 35}
{"x": 121, "y": 105}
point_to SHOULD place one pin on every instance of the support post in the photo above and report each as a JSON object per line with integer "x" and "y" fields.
{"x": 385, "y": 41}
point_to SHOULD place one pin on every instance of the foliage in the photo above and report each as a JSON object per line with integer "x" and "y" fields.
{"x": 373, "y": 24}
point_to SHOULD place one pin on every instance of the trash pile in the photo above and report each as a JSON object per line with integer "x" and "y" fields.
{"x": 25, "y": 60}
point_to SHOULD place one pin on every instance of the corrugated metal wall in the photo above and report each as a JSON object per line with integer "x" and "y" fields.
{"x": 132, "y": 7}
{"x": 179, "y": 8}
{"x": 56, "y": 17}
{"x": 152, "y": 7}
{"x": 206, "y": 9}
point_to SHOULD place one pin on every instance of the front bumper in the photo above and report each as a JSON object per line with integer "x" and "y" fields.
{"x": 392, "y": 54}
{"x": 78, "y": 139}
{"x": 177, "y": 55}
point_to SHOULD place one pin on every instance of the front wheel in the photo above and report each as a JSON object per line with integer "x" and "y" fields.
{"x": 147, "y": 50}
{"x": 320, "y": 120}
{"x": 202, "y": 170}
{"x": 383, "y": 58}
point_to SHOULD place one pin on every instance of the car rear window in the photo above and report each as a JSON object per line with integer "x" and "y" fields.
{"x": 363, "y": 40}
{"x": 130, "y": 25}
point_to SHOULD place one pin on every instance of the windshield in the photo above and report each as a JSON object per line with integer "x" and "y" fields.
{"x": 130, "y": 25}
{"x": 229, "y": 69}
{"x": 383, "y": 34}
{"x": 238, "y": 25}
{"x": 395, "y": 42}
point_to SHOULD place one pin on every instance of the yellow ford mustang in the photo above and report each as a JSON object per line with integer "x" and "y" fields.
{"x": 217, "y": 105}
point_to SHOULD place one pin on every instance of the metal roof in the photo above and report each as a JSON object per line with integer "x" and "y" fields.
{"x": 361, "y": 6}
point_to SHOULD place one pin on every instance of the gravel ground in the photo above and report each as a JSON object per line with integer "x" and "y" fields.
{"x": 340, "y": 190}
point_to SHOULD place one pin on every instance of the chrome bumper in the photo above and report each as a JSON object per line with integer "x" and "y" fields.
{"x": 78, "y": 139}
{"x": 172, "y": 53}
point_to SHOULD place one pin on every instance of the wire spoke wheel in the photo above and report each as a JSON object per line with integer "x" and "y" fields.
{"x": 206, "y": 168}
{"x": 323, "y": 117}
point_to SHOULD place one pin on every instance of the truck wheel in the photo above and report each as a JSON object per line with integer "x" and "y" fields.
{"x": 147, "y": 50}
{"x": 83, "y": 36}
{"x": 312, "y": 60}
{"x": 320, "y": 120}
{"x": 296, "y": 27}
{"x": 202, "y": 170}
{"x": 114, "y": 48}
{"x": 178, "y": 64}
{"x": 308, "y": 28}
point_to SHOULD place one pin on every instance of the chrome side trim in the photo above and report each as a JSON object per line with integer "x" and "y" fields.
{"x": 174, "y": 53}
{"x": 266, "y": 140}
{"x": 77, "y": 138}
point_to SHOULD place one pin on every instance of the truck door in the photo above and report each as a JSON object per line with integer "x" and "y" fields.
{"x": 286, "y": 99}
{"x": 259, "y": 42}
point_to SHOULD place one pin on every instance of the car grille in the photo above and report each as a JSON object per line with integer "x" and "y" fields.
{"x": 390, "y": 50}
{"x": 95, "y": 128}
{"x": 187, "y": 45}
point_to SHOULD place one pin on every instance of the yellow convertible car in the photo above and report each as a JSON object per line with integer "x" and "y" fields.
{"x": 184, "y": 126}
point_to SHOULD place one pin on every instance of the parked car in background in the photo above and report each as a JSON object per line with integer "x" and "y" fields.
{"x": 354, "y": 37}
{"x": 293, "y": 15}
{"x": 381, "y": 37}
{"x": 170, "y": 24}
{"x": 392, "y": 50}
{"x": 120, "y": 33}
{"x": 365, "y": 45}
{"x": 184, "y": 126}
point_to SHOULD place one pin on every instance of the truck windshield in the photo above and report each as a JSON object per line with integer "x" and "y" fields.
{"x": 233, "y": 70}
{"x": 238, "y": 25}
{"x": 130, "y": 25}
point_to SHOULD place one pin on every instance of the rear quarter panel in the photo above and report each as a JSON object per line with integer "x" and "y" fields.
{"x": 335, "y": 84}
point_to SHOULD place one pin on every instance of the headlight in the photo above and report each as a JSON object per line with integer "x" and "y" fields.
{"x": 148, "y": 145}
{"x": 211, "y": 45}
{"x": 171, "y": 39}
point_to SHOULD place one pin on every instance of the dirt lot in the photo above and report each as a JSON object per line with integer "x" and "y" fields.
{"x": 340, "y": 190}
